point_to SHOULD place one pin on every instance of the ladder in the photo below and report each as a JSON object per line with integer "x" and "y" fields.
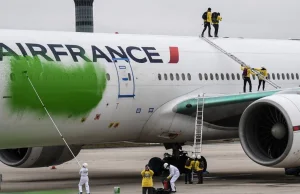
{"x": 240, "y": 62}
{"x": 198, "y": 127}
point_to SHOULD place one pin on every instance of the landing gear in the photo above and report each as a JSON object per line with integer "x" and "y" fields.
{"x": 178, "y": 159}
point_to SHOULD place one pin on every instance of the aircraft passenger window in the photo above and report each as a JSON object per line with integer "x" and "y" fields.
{"x": 227, "y": 76}
{"x": 129, "y": 76}
{"x": 205, "y": 76}
{"x": 171, "y": 76}
{"x": 238, "y": 76}
{"x": 222, "y": 76}
{"x": 183, "y": 76}
{"x": 287, "y": 76}
{"x": 177, "y": 76}
{"x": 283, "y": 77}
{"x": 292, "y": 75}
{"x": 189, "y": 76}
{"x": 273, "y": 76}
{"x": 159, "y": 76}
{"x": 278, "y": 76}
{"x": 232, "y": 76}
{"x": 269, "y": 77}
{"x": 217, "y": 76}
{"x": 297, "y": 76}
{"x": 166, "y": 76}
{"x": 107, "y": 77}
{"x": 211, "y": 76}
{"x": 253, "y": 76}
{"x": 200, "y": 76}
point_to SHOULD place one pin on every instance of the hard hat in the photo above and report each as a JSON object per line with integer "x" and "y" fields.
{"x": 193, "y": 156}
{"x": 198, "y": 156}
{"x": 85, "y": 165}
{"x": 166, "y": 165}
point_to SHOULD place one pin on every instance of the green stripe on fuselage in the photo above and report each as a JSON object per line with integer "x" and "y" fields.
{"x": 182, "y": 108}
{"x": 69, "y": 89}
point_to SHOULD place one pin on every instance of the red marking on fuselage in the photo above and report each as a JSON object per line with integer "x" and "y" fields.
{"x": 174, "y": 55}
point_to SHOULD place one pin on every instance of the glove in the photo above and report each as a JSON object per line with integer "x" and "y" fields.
{"x": 168, "y": 177}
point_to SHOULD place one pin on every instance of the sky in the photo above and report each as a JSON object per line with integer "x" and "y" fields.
{"x": 275, "y": 19}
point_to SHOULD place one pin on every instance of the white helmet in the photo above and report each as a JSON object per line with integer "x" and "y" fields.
{"x": 198, "y": 156}
{"x": 166, "y": 165}
{"x": 193, "y": 157}
{"x": 84, "y": 165}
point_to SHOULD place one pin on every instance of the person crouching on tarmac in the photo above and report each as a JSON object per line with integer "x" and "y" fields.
{"x": 174, "y": 175}
{"x": 84, "y": 179}
{"x": 147, "y": 182}
{"x": 188, "y": 169}
{"x": 199, "y": 170}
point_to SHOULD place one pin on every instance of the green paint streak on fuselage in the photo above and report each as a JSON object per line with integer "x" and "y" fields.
{"x": 65, "y": 89}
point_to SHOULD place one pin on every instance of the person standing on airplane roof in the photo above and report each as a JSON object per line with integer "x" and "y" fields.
{"x": 246, "y": 76}
{"x": 263, "y": 74}
{"x": 207, "y": 21}
{"x": 216, "y": 18}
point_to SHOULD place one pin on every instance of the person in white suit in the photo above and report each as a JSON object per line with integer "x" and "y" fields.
{"x": 174, "y": 175}
{"x": 84, "y": 178}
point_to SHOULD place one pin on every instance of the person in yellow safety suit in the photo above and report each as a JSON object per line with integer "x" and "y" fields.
{"x": 198, "y": 169}
{"x": 188, "y": 169}
{"x": 207, "y": 22}
{"x": 147, "y": 181}
{"x": 262, "y": 76}
{"x": 246, "y": 76}
{"x": 216, "y": 24}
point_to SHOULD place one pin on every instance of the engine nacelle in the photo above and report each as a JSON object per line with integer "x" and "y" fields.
{"x": 38, "y": 156}
{"x": 269, "y": 131}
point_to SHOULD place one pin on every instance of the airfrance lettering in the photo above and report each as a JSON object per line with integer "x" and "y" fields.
{"x": 137, "y": 54}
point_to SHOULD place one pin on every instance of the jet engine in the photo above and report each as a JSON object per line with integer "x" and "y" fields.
{"x": 38, "y": 156}
{"x": 269, "y": 131}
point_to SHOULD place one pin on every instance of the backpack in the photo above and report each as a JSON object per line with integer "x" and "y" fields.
{"x": 214, "y": 17}
{"x": 188, "y": 162}
{"x": 245, "y": 71}
{"x": 204, "y": 16}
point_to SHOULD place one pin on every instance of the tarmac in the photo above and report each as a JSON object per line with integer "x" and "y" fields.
{"x": 230, "y": 171}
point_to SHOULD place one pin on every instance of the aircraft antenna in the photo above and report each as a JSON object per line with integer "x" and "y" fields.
{"x": 241, "y": 63}
{"x": 25, "y": 72}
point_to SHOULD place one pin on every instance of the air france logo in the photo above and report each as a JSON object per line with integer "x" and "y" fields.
{"x": 55, "y": 52}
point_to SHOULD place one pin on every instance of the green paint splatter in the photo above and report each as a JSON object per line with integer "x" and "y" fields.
{"x": 67, "y": 89}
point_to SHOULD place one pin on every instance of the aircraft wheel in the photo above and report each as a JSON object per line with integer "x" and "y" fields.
{"x": 156, "y": 165}
{"x": 205, "y": 163}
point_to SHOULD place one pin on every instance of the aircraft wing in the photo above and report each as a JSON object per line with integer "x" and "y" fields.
{"x": 224, "y": 110}
{"x": 188, "y": 107}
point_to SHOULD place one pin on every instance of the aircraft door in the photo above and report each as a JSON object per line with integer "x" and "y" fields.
{"x": 125, "y": 77}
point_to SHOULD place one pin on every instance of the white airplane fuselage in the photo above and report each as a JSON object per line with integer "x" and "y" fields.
{"x": 95, "y": 100}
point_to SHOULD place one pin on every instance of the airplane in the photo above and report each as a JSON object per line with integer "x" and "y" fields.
{"x": 102, "y": 88}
